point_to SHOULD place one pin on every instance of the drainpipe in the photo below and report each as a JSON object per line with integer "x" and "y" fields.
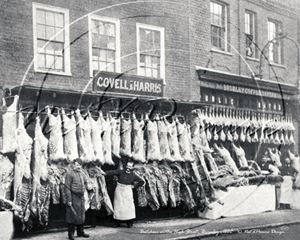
{"x": 239, "y": 36}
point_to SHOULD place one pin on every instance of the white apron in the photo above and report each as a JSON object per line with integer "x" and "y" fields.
{"x": 286, "y": 190}
{"x": 124, "y": 208}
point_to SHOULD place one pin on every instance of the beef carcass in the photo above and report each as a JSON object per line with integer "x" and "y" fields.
{"x": 43, "y": 203}
{"x": 105, "y": 200}
{"x": 84, "y": 139}
{"x": 96, "y": 139}
{"x": 275, "y": 157}
{"x": 9, "y": 128}
{"x": 6, "y": 176}
{"x": 161, "y": 185}
{"x": 212, "y": 164}
{"x": 173, "y": 142}
{"x": 168, "y": 173}
{"x": 163, "y": 140}
{"x": 69, "y": 136}
{"x": 153, "y": 149}
{"x": 295, "y": 163}
{"x": 56, "y": 145}
{"x": 184, "y": 193}
{"x": 242, "y": 134}
{"x": 240, "y": 153}
{"x": 151, "y": 189}
{"x": 106, "y": 139}
{"x": 224, "y": 153}
{"x": 138, "y": 151}
{"x": 125, "y": 134}
{"x": 141, "y": 190}
{"x": 23, "y": 157}
{"x": 39, "y": 164}
{"x": 184, "y": 141}
{"x": 115, "y": 136}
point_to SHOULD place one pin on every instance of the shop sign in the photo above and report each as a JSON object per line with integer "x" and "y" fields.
{"x": 243, "y": 90}
{"x": 127, "y": 84}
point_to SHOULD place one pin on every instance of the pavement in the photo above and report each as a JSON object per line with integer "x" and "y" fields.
{"x": 180, "y": 228}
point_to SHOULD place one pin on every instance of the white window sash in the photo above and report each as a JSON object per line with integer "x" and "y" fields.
{"x": 117, "y": 28}
{"x": 162, "y": 47}
{"x": 67, "y": 64}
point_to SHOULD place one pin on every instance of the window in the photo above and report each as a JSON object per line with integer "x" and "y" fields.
{"x": 218, "y": 25}
{"x": 274, "y": 47}
{"x": 51, "y": 39}
{"x": 104, "y": 44}
{"x": 250, "y": 27}
{"x": 150, "y": 51}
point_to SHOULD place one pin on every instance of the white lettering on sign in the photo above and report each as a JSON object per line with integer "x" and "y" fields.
{"x": 131, "y": 85}
{"x": 237, "y": 89}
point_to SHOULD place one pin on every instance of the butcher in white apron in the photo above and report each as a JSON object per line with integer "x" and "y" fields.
{"x": 289, "y": 175}
{"x": 124, "y": 209}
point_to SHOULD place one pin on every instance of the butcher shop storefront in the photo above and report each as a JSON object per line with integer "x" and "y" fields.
{"x": 189, "y": 154}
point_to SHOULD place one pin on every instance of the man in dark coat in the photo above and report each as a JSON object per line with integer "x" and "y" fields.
{"x": 75, "y": 186}
{"x": 124, "y": 209}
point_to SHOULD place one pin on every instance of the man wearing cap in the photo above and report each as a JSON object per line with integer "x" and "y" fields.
{"x": 75, "y": 186}
{"x": 124, "y": 209}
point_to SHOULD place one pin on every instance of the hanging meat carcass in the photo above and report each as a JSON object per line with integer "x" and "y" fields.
{"x": 96, "y": 127}
{"x": 173, "y": 141}
{"x": 295, "y": 163}
{"x": 162, "y": 128}
{"x": 106, "y": 139}
{"x": 105, "y": 199}
{"x": 240, "y": 153}
{"x": 69, "y": 136}
{"x": 39, "y": 164}
{"x": 275, "y": 157}
{"x": 168, "y": 173}
{"x": 153, "y": 148}
{"x": 138, "y": 151}
{"x": 9, "y": 128}
{"x": 84, "y": 140}
{"x": 56, "y": 146}
{"x": 115, "y": 136}
{"x": 184, "y": 141}
{"x": 161, "y": 185}
{"x": 224, "y": 153}
{"x": 6, "y": 176}
{"x": 22, "y": 175}
{"x": 125, "y": 134}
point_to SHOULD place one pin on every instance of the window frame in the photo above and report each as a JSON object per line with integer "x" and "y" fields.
{"x": 162, "y": 48}
{"x": 278, "y": 28}
{"x": 118, "y": 44}
{"x": 254, "y": 30}
{"x": 66, "y": 49}
{"x": 226, "y": 35}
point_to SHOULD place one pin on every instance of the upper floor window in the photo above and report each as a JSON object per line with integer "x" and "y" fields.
{"x": 51, "y": 39}
{"x": 275, "y": 49}
{"x": 218, "y": 25}
{"x": 250, "y": 28}
{"x": 104, "y": 44}
{"x": 150, "y": 48}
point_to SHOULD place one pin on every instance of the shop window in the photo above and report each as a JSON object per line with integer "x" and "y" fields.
{"x": 232, "y": 102}
{"x": 206, "y": 98}
{"x": 275, "y": 106}
{"x": 259, "y": 105}
{"x": 150, "y": 51}
{"x": 225, "y": 101}
{"x": 51, "y": 39}
{"x": 218, "y": 26}
{"x": 213, "y": 99}
{"x": 219, "y": 100}
{"x": 270, "y": 106}
{"x": 250, "y": 28}
{"x": 275, "y": 54}
{"x": 264, "y": 105}
{"x": 279, "y": 107}
{"x": 104, "y": 36}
